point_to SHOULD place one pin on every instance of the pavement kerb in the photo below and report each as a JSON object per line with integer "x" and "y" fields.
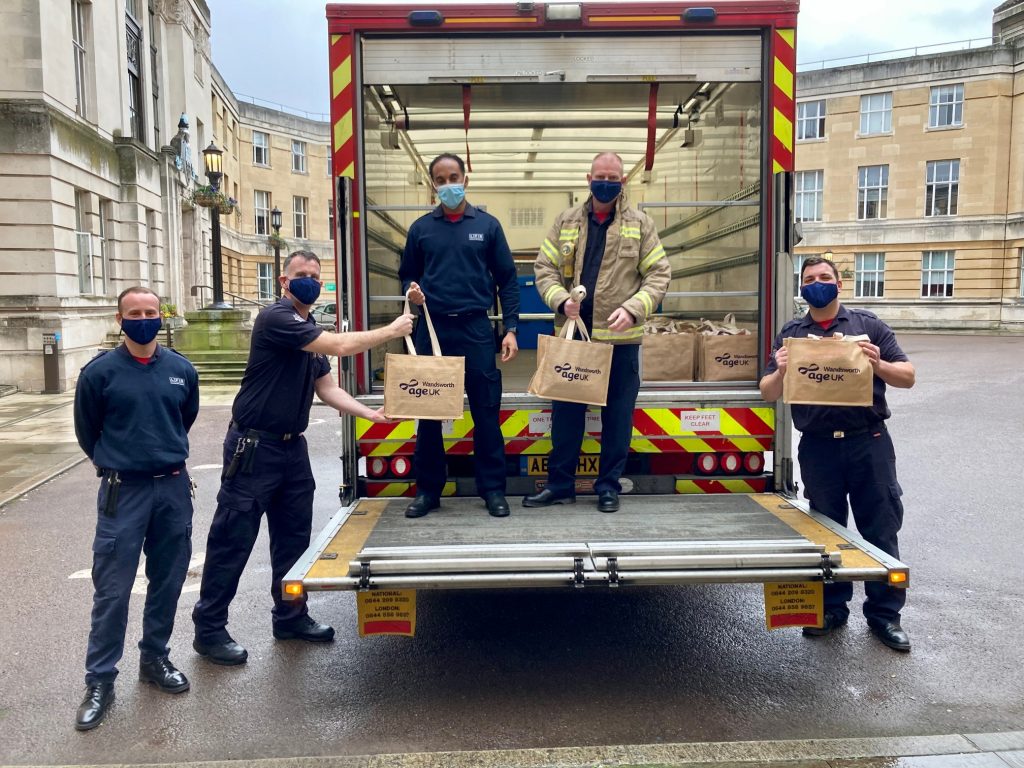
{"x": 685, "y": 755}
{"x": 34, "y": 482}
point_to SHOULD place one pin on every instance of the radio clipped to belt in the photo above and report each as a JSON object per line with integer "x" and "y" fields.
{"x": 113, "y": 481}
{"x": 245, "y": 453}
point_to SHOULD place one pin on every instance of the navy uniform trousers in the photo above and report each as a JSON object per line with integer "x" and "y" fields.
{"x": 472, "y": 336}
{"x": 279, "y": 485}
{"x": 863, "y": 469}
{"x": 154, "y": 516}
{"x": 568, "y": 421}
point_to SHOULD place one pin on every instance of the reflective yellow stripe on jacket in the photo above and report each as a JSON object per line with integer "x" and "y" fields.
{"x": 603, "y": 334}
{"x": 652, "y": 257}
{"x": 647, "y": 300}
{"x": 550, "y": 251}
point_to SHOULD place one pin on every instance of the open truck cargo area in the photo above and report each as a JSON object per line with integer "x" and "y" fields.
{"x": 698, "y": 100}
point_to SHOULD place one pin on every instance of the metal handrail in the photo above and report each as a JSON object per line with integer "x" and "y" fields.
{"x": 865, "y": 58}
{"x": 261, "y": 303}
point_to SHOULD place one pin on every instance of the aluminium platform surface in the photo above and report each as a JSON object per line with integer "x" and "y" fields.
{"x": 462, "y": 521}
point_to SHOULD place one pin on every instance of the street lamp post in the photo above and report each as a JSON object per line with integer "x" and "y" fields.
{"x": 275, "y": 222}
{"x": 212, "y": 161}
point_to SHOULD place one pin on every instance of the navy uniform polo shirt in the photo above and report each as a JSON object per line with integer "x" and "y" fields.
{"x": 459, "y": 263}
{"x": 277, "y": 388}
{"x": 850, "y": 322}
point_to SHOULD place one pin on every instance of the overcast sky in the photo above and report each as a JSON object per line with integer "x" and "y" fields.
{"x": 277, "y": 51}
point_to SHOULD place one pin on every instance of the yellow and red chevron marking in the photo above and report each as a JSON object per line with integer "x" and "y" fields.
{"x": 783, "y": 94}
{"x": 343, "y": 143}
{"x": 375, "y": 489}
{"x": 655, "y": 430}
{"x": 723, "y": 485}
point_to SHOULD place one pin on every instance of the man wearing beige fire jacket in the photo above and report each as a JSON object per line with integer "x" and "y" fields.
{"x": 614, "y": 252}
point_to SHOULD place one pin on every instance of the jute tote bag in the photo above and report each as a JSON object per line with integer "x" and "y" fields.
{"x": 570, "y": 370}
{"x": 827, "y": 372}
{"x": 423, "y": 386}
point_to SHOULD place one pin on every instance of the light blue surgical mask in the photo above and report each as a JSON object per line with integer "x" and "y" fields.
{"x": 451, "y": 195}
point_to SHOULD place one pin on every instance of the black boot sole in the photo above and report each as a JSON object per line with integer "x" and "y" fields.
{"x": 534, "y": 505}
{"x": 286, "y": 635}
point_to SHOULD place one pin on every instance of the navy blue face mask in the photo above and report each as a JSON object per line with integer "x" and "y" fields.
{"x": 306, "y": 290}
{"x": 605, "y": 191}
{"x": 819, "y": 295}
{"x": 141, "y": 331}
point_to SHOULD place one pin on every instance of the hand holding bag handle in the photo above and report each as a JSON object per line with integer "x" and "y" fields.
{"x": 578, "y": 294}
{"x": 435, "y": 345}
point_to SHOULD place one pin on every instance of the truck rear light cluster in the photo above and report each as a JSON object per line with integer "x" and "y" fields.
{"x": 730, "y": 463}
{"x": 397, "y": 466}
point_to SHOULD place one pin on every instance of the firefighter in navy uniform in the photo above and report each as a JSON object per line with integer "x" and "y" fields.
{"x": 134, "y": 406}
{"x": 266, "y": 461}
{"x": 456, "y": 256}
{"x": 846, "y": 452}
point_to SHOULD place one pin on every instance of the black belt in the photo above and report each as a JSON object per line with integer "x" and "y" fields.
{"x": 127, "y": 475}
{"x": 840, "y": 434}
{"x": 265, "y": 435}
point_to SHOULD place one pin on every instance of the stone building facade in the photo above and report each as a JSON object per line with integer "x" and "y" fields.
{"x": 910, "y": 173}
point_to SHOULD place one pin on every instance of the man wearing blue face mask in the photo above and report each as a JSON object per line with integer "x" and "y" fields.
{"x": 455, "y": 258}
{"x": 266, "y": 461}
{"x": 845, "y": 453}
{"x": 612, "y": 250}
{"x": 134, "y": 406}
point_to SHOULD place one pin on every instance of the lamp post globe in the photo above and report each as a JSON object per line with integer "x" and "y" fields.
{"x": 275, "y": 222}
{"x": 213, "y": 159}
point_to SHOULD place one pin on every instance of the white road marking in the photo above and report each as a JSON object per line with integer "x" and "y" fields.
{"x": 206, "y": 466}
{"x": 195, "y": 570}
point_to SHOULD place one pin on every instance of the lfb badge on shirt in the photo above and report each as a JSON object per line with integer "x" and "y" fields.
{"x": 476, "y": 237}
{"x": 298, "y": 317}
{"x": 176, "y": 380}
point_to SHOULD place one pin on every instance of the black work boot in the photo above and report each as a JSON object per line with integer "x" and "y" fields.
{"x": 92, "y": 710}
{"x": 163, "y": 675}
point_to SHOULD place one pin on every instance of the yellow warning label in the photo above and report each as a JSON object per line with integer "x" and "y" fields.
{"x": 387, "y": 612}
{"x": 794, "y": 604}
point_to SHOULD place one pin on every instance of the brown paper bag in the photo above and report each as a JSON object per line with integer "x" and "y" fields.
{"x": 423, "y": 386}
{"x": 572, "y": 371}
{"x": 669, "y": 356}
{"x": 827, "y": 372}
{"x": 728, "y": 358}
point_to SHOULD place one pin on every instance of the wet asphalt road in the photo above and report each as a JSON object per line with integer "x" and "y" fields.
{"x": 559, "y": 668}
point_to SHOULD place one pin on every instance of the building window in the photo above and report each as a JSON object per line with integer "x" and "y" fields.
{"x": 101, "y": 273}
{"x": 135, "y": 103}
{"x": 810, "y": 120}
{"x": 261, "y": 206}
{"x": 154, "y": 82}
{"x": 942, "y": 188}
{"x": 798, "y": 264}
{"x": 78, "y": 39}
{"x": 875, "y": 113}
{"x": 300, "y": 212}
{"x": 132, "y": 7}
{"x": 298, "y": 157}
{"x": 330, "y": 220}
{"x": 872, "y": 191}
{"x": 264, "y": 280}
{"x": 83, "y": 240}
{"x": 260, "y": 148}
{"x": 937, "y": 273}
{"x": 197, "y": 52}
{"x": 330, "y": 164}
{"x": 1020, "y": 284}
{"x": 810, "y": 186}
{"x": 870, "y": 283}
{"x": 946, "y": 106}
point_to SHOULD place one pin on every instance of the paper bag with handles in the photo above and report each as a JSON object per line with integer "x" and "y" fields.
{"x": 572, "y": 371}
{"x": 669, "y": 356}
{"x": 727, "y": 352}
{"x": 827, "y": 372}
{"x": 423, "y": 386}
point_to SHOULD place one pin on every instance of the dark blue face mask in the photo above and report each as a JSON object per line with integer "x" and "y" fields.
{"x": 306, "y": 290}
{"x": 819, "y": 295}
{"x": 605, "y": 191}
{"x": 141, "y": 331}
